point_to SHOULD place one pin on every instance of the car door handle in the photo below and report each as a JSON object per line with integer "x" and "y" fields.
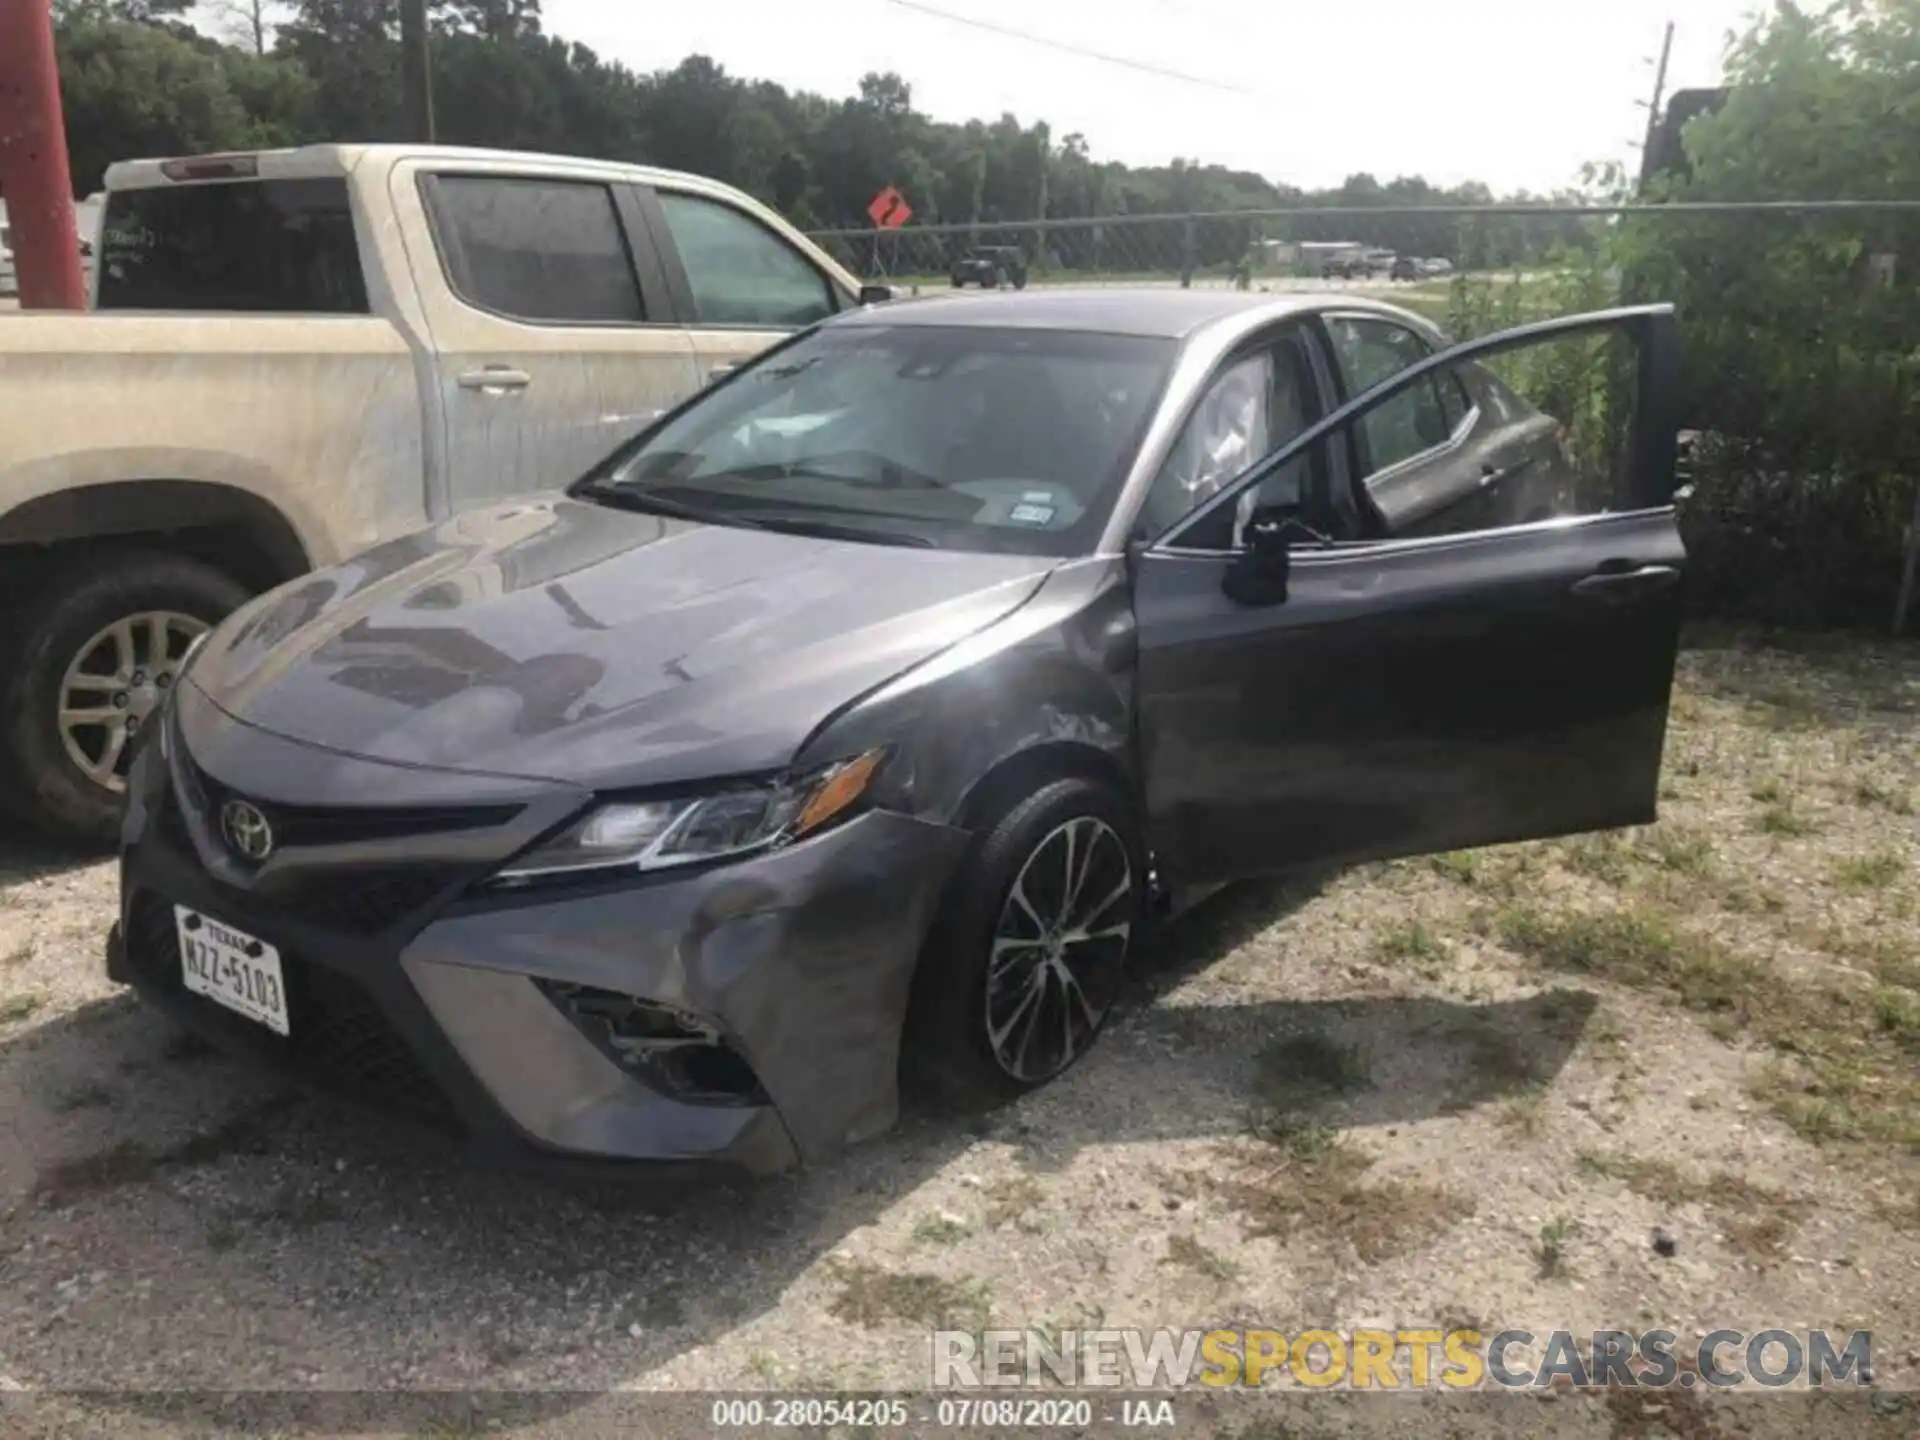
{"x": 495, "y": 379}
{"x": 1618, "y": 587}
{"x": 1491, "y": 474}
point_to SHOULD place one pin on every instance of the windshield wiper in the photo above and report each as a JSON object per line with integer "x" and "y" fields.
{"x": 653, "y": 503}
{"x": 833, "y": 530}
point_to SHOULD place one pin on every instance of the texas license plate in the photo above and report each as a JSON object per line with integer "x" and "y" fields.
{"x": 231, "y": 968}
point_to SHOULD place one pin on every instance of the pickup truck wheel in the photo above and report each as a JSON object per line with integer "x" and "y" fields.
{"x": 97, "y": 654}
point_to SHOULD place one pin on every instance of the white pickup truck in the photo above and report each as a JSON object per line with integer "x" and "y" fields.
{"x": 295, "y": 354}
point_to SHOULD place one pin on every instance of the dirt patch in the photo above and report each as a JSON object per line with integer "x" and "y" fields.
{"x": 1664, "y": 1077}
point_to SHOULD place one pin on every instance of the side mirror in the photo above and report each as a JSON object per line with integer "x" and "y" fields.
{"x": 875, "y": 294}
{"x": 1258, "y": 573}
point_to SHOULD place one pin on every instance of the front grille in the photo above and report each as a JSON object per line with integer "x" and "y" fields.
{"x": 343, "y": 824}
{"x": 347, "y": 899}
{"x": 360, "y": 901}
{"x": 340, "y": 1039}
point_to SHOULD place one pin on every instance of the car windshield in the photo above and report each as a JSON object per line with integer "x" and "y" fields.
{"x": 962, "y": 437}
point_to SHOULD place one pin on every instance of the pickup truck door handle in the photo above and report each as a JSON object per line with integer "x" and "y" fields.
{"x": 1621, "y": 586}
{"x": 495, "y": 379}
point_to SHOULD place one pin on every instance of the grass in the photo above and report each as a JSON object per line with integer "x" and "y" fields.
{"x": 1874, "y": 871}
{"x": 1189, "y": 1254}
{"x": 1603, "y": 857}
{"x": 870, "y": 1297}
{"x": 941, "y": 1229}
{"x": 1756, "y": 1221}
{"x": 1460, "y": 866}
{"x": 1783, "y": 820}
{"x": 765, "y": 1365}
{"x": 1635, "y": 945}
{"x": 1681, "y": 849}
{"x": 1551, "y": 1251}
{"x": 1308, "y": 1178}
{"x": 1871, "y": 793}
{"x": 1411, "y": 943}
{"x": 1302, "y": 1070}
{"x": 1898, "y": 1010}
{"x": 1843, "y": 1050}
{"x": 1011, "y": 1200}
{"x": 20, "y": 1006}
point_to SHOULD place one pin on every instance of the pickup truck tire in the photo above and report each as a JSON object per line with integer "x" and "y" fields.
{"x": 69, "y": 656}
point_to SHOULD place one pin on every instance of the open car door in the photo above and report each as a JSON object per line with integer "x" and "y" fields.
{"x": 1349, "y": 682}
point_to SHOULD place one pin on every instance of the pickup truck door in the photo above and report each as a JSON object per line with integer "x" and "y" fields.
{"x": 1344, "y": 691}
{"x": 549, "y": 322}
{"x": 737, "y": 282}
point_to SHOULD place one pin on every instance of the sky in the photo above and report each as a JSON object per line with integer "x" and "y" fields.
{"x": 1516, "y": 93}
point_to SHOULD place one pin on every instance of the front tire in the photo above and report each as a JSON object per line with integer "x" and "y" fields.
{"x": 1029, "y": 952}
{"x": 94, "y": 658}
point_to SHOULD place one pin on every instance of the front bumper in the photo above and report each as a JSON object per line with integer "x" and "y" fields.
{"x": 801, "y": 958}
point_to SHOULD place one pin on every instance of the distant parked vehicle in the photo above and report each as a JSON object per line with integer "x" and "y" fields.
{"x": 991, "y": 267}
{"x": 1404, "y": 267}
{"x": 1434, "y": 265}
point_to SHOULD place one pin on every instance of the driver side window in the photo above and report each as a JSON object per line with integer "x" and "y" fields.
{"x": 1256, "y": 404}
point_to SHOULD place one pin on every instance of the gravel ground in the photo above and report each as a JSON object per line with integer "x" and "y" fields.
{"x": 1460, "y": 1090}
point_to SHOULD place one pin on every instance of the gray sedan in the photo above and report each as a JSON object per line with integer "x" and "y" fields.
{"x": 861, "y": 714}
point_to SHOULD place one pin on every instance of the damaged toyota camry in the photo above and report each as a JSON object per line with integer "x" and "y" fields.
{"x": 858, "y": 715}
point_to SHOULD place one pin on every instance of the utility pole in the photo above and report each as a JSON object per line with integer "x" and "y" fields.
{"x": 1653, "y": 109}
{"x": 34, "y": 175}
{"x": 416, "y": 72}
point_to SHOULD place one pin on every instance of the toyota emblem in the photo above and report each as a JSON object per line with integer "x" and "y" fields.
{"x": 247, "y": 831}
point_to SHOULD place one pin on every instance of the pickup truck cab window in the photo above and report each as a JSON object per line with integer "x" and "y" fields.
{"x": 275, "y": 247}
{"x": 740, "y": 273}
{"x": 547, "y": 251}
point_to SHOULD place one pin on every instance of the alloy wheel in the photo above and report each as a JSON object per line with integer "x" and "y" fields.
{"x": 1058, "y": 949}
{"x": 114, "y": 685}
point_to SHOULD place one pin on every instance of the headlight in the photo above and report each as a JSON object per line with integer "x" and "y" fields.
{"x": 658, "y": 834}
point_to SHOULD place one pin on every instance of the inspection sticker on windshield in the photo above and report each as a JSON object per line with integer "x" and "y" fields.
{"x": 1030, "y": 514}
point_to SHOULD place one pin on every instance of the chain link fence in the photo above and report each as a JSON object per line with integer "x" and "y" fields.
{"x": 1801, "y": 321}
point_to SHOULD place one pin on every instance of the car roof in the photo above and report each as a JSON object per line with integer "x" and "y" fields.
{"x": 1167, "y": 314}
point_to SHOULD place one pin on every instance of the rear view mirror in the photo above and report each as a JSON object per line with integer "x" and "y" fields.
{"x": 875, "y": 294}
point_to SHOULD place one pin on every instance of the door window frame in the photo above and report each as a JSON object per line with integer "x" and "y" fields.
{"x": 679, "y": 288}
{"x": 1655, "y": 431}
{"x": 643, "y": 260}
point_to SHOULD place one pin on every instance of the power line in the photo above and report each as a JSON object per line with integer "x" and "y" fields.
{"x": 1144, "y": 67}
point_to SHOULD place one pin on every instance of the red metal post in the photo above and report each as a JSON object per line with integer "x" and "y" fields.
{"x": 34, "y": 178}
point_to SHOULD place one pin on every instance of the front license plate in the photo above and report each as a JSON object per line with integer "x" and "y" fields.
{"x": 231, "y": 968}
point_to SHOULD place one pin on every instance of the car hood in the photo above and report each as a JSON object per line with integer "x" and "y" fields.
{"x": 555, "y": 639}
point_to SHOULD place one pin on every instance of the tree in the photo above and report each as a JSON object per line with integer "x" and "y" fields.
{"x": 132, "y": 88}
{"x": 248, "y": 22}
{"x": 493, "y": 19}
{"x": 1800, "y": 330}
